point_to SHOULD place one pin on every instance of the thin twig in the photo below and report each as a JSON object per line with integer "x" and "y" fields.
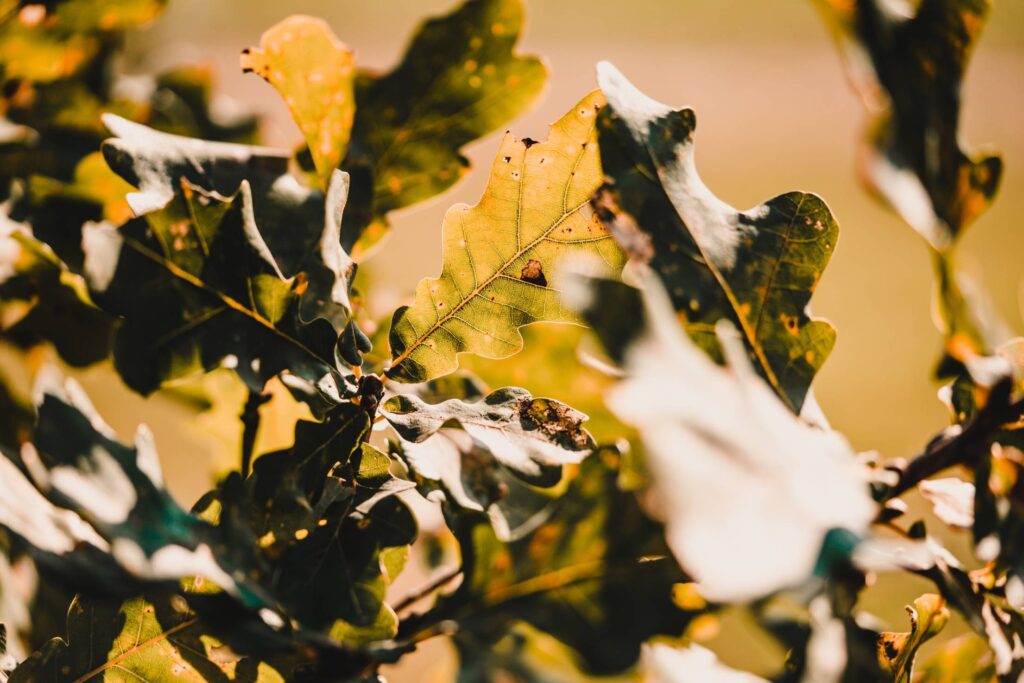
{"x": 960, "y": 446}
{"x": 426, "y": 590}
{"x": 250, "y": 427}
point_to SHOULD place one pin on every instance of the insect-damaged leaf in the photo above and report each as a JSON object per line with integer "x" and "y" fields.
{"x": 459, "y": 80}
{"x": 485, "y": 455}
{"x": 532, "y": 437}
{"x": 468, "y": 476}
{"x": 314, "y": 73}
{"x": 502, "y": 256}
{"x": 583, "y": 576}
{"x": 154, "y": 638}
{"x": 909, "y": 67}
{"x": 756, "y": 268}
{"x": 743, "y": 481}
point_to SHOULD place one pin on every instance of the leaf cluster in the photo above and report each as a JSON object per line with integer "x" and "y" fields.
{"x": 147, "y": 231}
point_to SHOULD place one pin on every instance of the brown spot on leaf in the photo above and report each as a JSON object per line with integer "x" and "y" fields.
{"x": 557, "y": 421}
{"x": 528, "y": 142}
{"x": 533, "y": 273}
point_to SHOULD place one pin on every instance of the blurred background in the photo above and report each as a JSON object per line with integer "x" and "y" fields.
{"x": 774, "y": 114}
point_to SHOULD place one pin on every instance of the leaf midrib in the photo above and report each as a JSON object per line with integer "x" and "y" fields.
{"x": 232, "y": 303}
{"x": 110, "y": 663}
{"x": 476, "y": 292}
{"x": 734, "y": 303}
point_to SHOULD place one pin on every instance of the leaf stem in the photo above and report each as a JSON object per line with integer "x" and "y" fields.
{"x": 426, "y": 590}
{"x": 960, "y": 445}
{"x": 250, "y": 427}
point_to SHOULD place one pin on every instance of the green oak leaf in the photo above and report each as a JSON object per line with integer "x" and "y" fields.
{"x": 96, "y": 511}
{"x": 532, "y": 437}
{"x": 214, "y": 293}
{"x": 154, "y": 638}
{"x": 335, "y": 579}
{"x": 582, "y": 576}
{"x": 458, "y": 80}
{"x": 315, "y": 74}
{"x": 156, "y": 162}
{"x": 301, "y": 227}
{"x": 896, "y": 651}
{"x": 41, "y": 300}
{"x": 755, "y": 268}
{"x": 503, "y": 256}
{"x": 909, "y": 68}
{"x": 291, "y": 490}
{"x": 330, "y": 533}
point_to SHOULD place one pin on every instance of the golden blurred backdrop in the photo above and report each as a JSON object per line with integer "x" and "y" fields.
{"x": 774, "y": 114}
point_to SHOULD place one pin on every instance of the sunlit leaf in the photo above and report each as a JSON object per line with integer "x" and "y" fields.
{"x": 755, "y": 268}
{"x": 458, "y": 80}
{"x": 314, "y": 72}
{"x": 156, "y": 163}
{"x": 739, "y": 479}
{"x": 140, "y": 639}
{"x": 503, "y": 256}
{"x": 952, "y": 500}
{"x": 908, "y": 61}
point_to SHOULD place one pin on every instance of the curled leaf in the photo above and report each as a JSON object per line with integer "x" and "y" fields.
{"x": 896, "y": 651}
{"x": 530, "y": 436}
